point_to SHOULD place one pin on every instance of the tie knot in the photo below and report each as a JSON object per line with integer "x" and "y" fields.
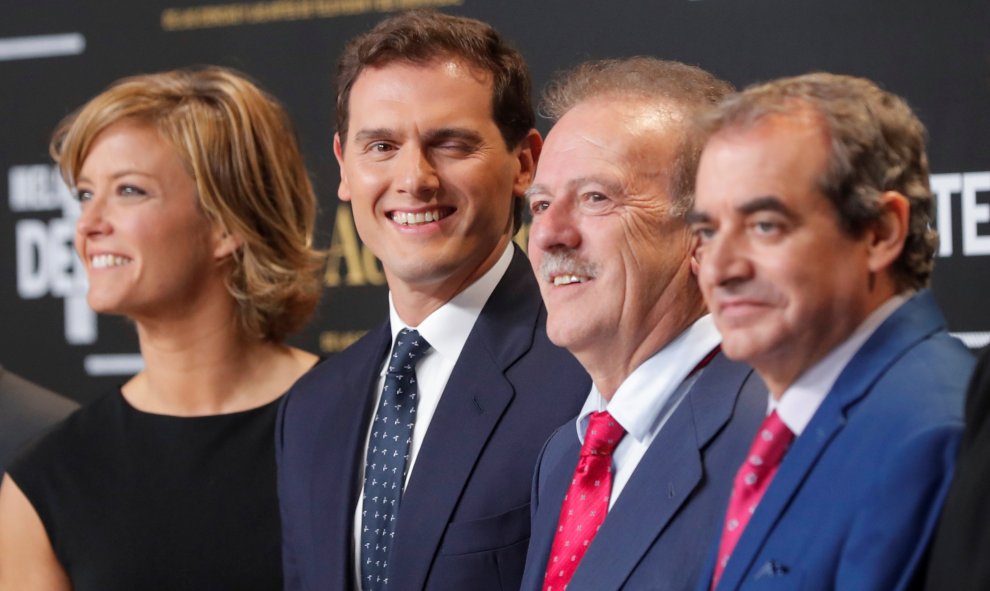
{"x": 772, "y": 440}
{"x": 603, "y": 434}
{"x": 408, "y": 348}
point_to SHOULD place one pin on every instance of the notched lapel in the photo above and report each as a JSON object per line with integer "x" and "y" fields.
{"x": 338, "y": 459}
{"x": 794, "y": 468}
{"x": 474, "y": 400}
{"x": 915, "y": 320}
{"x": 665, "y": 478}
{"x": 556, "y": 471}
{"x": 472, "y": 403}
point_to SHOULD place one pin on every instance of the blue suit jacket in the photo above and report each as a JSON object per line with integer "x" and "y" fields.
{"x": 855, "y": 500}
{"x": 464, "y": 518}
{"x": 657, "y": 534}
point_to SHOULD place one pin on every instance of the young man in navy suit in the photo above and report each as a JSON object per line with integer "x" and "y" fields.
{"x": 415, "y": 475}
{"x": 635, "y": 508}
{"x": 814, "y": 216}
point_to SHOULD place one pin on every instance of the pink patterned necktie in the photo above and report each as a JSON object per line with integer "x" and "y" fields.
{"x": 751, "y": 482}
{"x": 586, "y": 502}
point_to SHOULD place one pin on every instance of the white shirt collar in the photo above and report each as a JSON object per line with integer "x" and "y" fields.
{"x": 639, "y": 402}
{"x": 801, "y": 400}
{"x": 447, "y": 328}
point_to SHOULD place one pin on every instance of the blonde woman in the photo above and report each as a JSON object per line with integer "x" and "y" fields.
{"x": 196, "y": 224}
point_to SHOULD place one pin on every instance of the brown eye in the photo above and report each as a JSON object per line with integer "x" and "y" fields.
{"x": 538, "y": 206}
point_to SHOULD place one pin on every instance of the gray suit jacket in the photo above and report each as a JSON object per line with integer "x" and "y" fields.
{"x": 25, "y": 410}
{"x": 657, "y": 534}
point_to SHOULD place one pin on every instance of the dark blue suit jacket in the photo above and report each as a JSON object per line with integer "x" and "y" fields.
{"x": 855, "y": 500}
{"x": 657, "y": 534}
{"x": 464, "y": 518}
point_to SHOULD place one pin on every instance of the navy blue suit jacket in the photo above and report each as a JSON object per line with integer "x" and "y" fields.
{"x": 464, "y": 517}
{"x": 855, "y": 500}
{"x": 657, "y": 534}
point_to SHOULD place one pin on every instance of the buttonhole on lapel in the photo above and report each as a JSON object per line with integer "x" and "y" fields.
{"x": 478, "y": 406}
{"x": 670, "y": 490}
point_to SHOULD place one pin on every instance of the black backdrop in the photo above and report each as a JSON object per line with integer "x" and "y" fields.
{"x": 55, "y": 54}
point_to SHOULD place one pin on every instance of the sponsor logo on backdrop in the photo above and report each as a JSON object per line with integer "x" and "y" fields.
{"x": 960, "y": 192}
{"x": 252, "y": 13}
{"x": 38, "y": 46}
{"x": 46, "y": 264}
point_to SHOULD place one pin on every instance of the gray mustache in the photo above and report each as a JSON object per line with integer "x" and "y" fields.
{"x": 565, "y": 262}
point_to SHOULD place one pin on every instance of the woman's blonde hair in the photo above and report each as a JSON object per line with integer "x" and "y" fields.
{"x": 238, "y": 143}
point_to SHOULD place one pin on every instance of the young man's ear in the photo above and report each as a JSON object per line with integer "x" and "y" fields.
{"x": 528, "y": 153}
{"x": 343, "y": 190}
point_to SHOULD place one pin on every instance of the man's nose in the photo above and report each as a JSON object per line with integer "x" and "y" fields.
{"x": 417, "y": 175}
{"x": 723, "y": 259}
{"x": 554, "y": 227}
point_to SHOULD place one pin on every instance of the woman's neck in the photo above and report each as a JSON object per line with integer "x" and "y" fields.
{"x": 210, "y": 367}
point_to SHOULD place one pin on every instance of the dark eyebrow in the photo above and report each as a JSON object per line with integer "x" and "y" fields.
{"x": 766, "y": 203}
{"x": 434, "y": 136}
{"x": 697, "y": 217}
{"x": 374, "y": 133}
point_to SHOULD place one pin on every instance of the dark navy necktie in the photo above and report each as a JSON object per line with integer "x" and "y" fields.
{"x": 388, "y": 458}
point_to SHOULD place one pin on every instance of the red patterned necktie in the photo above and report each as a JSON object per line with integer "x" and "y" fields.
{"x": 751, "y": 482}
{"x": 586, "y": 502}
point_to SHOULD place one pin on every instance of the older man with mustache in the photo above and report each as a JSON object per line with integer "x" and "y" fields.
{"x": 628, "y": 495}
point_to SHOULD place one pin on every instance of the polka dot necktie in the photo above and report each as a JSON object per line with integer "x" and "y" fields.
{"x": 586, "y": 503}
{"x": 387, "y": 459}
{"x": 752, "y": 480}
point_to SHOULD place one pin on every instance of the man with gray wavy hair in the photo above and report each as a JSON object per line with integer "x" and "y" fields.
{"x": 628, "y": 495}
{"x": 813, "y": 219}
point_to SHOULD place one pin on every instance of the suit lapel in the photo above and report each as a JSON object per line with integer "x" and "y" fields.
{"x": 551, "y": 487}
{"x": 917, "y": 319}
{"x": 339, "y": 454}
{"x": 472, "y": 403}
{"x": 665, "y": 478}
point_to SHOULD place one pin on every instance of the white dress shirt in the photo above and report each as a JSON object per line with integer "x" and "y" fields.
{"x": 446, "y": 330}
{"x": 801, "y": 400}
{"x": 648, "y": 397}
